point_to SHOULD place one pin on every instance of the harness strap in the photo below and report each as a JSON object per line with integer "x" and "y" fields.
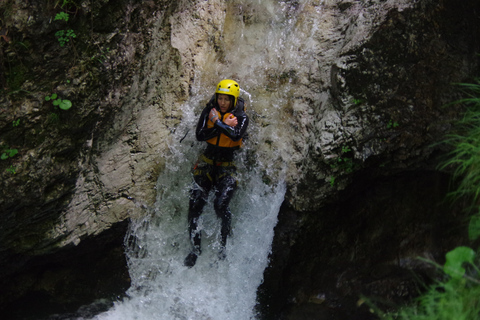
{"x": 215, "y": 163}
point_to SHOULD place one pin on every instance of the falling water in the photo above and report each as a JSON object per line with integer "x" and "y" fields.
{"x": 162, "y": 288}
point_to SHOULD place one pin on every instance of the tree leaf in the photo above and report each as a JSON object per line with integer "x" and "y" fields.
{"x": 12, "y": 152}
{"x": 65, "y": 105}
{"x": 455, "y": 259}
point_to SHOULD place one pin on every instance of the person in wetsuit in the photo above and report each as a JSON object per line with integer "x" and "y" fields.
{"x": 222, "y": 124}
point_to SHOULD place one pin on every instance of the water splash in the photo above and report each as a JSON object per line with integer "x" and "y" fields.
{"x": 162, "y": 288}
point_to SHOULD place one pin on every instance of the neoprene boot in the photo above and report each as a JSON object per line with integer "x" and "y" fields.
{"x": 190, "y": 260}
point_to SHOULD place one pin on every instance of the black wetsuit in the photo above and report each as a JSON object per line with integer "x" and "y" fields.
{"x": 216, "y": 170}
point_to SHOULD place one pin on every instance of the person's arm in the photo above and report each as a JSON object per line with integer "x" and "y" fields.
{"x": 203, "y": 132}
{"x": 237, "y": 132}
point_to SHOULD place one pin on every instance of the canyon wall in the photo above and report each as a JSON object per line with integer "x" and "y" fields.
{"x": 360, "y": 90}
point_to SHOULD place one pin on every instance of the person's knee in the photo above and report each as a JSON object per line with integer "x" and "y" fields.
{"x": 196, "y": 207}
{"x": 220, "y": 204}
{"x": 197, "y": 201}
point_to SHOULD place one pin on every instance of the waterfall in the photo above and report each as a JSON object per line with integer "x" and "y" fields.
{"x": 162, "y": 288}
{"x": 261, "y": 57}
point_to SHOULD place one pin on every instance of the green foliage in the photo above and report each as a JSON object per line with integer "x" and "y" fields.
{"x": 62, "y": 16}
{"x": 64, "y": 36}
{"x": 344, "y": 162}
{"x": 392, "y": 124}
{"x": 8, "y": 153}
{"x": 455, "y": 298}
{"x": 16, "y": 123}
{"x": 332, "y": 181}
{"x": 465, "y": 156}
{"x": 444, "y": 301}
{"x": 458, "y": 296}
{"x": 63, "y": 104}
{"x": 455, "y": 259}
{"x": 358, "y": 101}
{"x": 346, "y": 149}
{"x": 11, "y": 169}
{"x": 66, "y": 3}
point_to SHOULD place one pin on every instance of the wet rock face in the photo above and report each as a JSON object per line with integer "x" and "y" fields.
{"x": 365, "y": 112}
{"x": 72, "y": 175}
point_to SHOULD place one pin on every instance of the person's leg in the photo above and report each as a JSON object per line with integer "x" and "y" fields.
{"x": 225, "y": 189}
{"x": 198, "y": 199}
{"x": 197, "y": 202}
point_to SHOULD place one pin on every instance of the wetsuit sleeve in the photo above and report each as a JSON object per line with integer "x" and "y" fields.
{"x": 202, "y": 132}
{"x": 235, "y": 133}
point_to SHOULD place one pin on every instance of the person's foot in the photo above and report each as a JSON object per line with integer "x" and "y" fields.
{"x": 190, "y": 259}
{"x": 222, "y": 254}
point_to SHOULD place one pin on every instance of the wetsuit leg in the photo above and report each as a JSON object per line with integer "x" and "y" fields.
{"x": 223, "y": 194}
{"x": 198, "y": 199}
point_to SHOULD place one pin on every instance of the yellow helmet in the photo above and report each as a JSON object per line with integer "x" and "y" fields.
{"x": 229, "y": 87}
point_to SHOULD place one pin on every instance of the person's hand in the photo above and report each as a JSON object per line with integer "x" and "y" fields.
{"x": 213, "y": 115}
{"x": 231, "y": 121}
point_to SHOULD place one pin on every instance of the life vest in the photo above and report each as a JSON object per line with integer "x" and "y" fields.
{"x": 223, "y": 140}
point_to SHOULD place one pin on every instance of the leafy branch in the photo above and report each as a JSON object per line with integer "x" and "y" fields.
{"x": 62, "y": 16}
{"x": 64, "y": 36}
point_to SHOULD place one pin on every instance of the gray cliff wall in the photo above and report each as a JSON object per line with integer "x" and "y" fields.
{"x": 367, "y": 104}
{"x": 390, "y": 208}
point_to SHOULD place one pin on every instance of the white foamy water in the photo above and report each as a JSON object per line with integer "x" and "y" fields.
{"x": 162, "y": 288}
